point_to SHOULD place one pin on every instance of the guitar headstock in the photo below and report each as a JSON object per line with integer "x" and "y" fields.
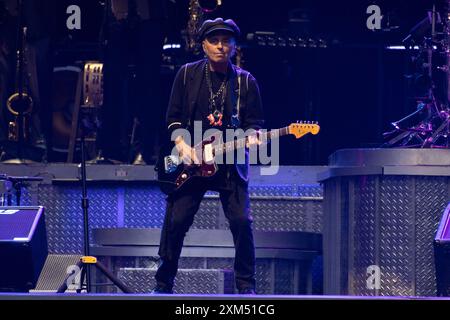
{"x": 302, "y": 128}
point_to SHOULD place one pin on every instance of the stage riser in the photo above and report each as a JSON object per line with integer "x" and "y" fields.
{"x": 387, "y": 221}
{"x": 196, "y": 275}
{"x": 211, "y": 275}
{"x": 189, "y": 281}
{"x": 127, "y": 197}
{"x": 274, "y": 208}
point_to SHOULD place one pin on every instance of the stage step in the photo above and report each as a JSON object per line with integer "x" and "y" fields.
{"x": 188, "y": 281}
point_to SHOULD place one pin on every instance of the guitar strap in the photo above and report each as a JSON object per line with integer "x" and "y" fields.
{"x": 189, "y": 120}
{"x": 235, "y": 99}
{"x": 247, "y": 75}
{"x": 235, "y": 121}
{"x": 235, "y": 118}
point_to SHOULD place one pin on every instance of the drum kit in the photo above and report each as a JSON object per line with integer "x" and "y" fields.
{"x": 429, "y": 125}
{"x": 10, "y": 184}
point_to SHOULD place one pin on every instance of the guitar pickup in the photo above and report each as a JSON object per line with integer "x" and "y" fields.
{"x": 171, "y": 163}
{"x": 208, "y": 153}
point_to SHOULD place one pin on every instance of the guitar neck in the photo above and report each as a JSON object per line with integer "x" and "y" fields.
{"x": 242, "y": 143}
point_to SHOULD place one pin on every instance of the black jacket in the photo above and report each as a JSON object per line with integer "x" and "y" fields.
{"x": 243, "y": 94}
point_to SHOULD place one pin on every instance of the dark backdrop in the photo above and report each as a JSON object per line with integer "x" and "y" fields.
{"x": 354, "y": 87}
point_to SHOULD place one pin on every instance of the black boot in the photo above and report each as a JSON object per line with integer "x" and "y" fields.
{"x": 161, "y": 290}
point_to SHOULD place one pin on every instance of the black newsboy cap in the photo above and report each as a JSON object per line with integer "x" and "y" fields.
{"x": 218, "y": 24}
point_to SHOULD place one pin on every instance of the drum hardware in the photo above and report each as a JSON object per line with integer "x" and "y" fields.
{"x": 197, "y": 11}
{"x": 10, "y": 183}
{"x": 429, "y": 125}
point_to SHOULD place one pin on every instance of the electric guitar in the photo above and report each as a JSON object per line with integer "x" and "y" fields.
{"x": 172, "y": 173}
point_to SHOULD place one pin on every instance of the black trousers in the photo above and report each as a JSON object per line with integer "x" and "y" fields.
{"x": 180, "y": 212}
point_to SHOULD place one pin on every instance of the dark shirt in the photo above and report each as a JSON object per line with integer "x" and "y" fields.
{"x": 202, "y": 110}
{"x": 189, "y": 90}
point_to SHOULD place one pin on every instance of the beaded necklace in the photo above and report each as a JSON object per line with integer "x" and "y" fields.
{"x": 216, "y": 100}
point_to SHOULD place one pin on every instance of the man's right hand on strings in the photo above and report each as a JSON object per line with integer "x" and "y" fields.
{"x": 186, "y": 153}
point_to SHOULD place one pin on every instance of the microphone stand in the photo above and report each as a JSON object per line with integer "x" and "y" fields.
{"x": 87, "y": 261}
{"x": 85, "y": 207}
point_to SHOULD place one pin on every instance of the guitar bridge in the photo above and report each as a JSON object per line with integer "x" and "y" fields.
{"x": 171, "y": 163}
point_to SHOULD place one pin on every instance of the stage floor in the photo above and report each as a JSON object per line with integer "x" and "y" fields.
{"x": 196, "y": 297}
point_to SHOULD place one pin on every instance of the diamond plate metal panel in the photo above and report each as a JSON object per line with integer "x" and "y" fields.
{"x": 279, "y": 215}
{"x": 188, "y": 281}
{"x": 195, "y": 263}
{"x": 26, "y": 198}
{"x": 131, "y": 262}
{"x": 138, "y": 280}
{"x": 207, "y": 216}
{"x": 141, "y": 206}
{"x": 272, "y": 276}
{"x": 220, "y": 263}
{"x": 432, "y": 196}
{"x": 104, "y": 207}
{"x": 392, "y": 224}
{"x": 364, "y": 234}
{"x": 397, "y": 235}
{"x": 273, "y": 191}
{"x": 144, "y": 207}
{"x": 316, "y": 210}
{"x": 310, "y": 190}
{"x": 64, "y": 218}
{"x": 284, "y": 279}
{"x": 264, "y": 276}
{"x": 205, "y": 281}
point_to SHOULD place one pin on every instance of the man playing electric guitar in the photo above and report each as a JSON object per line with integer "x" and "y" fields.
{"x": 220, "y": 95}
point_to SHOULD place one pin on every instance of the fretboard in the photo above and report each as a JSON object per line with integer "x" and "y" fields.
{"x": 230, "y": 146}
